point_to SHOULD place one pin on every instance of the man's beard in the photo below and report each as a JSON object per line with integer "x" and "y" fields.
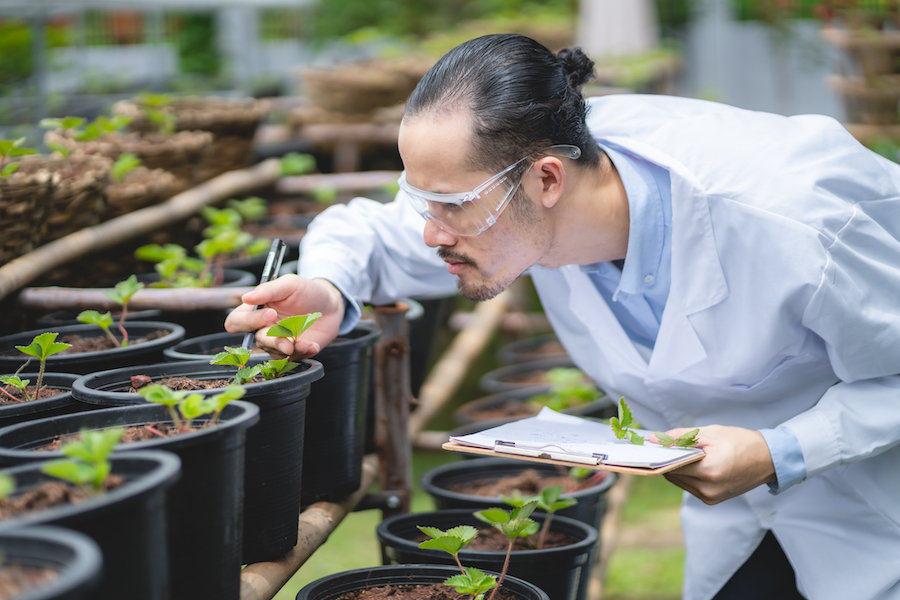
{"x": 477, "y": 292}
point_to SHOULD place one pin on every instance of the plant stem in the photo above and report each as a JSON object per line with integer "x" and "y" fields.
{"x": 175, "y": 420}
{"x": 544, "y": 529}
{"x": 112, "y": 337}
{"x": 155, "y": 431}
{"x": 13, "y": 398}
{"x": 459, "y": 564}
{"x": 122, "y": 325}
{"x": 40, "y": 381}
{"x": 505, "y": 566}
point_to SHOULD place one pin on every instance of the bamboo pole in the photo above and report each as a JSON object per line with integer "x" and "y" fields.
{"x": 261, "y": 581}
{"x": 174, "y": 299}
{"x": 445, "y": 377}
{"x": 24, "y": 269}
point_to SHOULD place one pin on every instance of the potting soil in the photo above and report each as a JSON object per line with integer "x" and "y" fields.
{"x": 45, "y": 393}
{"x": 47, "y": 495}
{"x": 16, "y": 579}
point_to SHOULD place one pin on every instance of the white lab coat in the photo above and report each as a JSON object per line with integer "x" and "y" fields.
{"x": 784, "y": 308}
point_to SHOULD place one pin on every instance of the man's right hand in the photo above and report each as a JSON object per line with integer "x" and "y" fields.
{"x": 284, "y": 297}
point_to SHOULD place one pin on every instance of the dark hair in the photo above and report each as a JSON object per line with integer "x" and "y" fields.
{"x": 522, "y": 97}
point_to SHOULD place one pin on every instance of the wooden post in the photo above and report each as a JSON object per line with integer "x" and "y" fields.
{"x": 392, "y": 399}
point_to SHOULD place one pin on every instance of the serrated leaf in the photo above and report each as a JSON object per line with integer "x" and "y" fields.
{"x": 664, "y": 439}
{"x": 43, "y": 346}
{"x": 124, "y": 290}
{"x": 160, "y": 394}
{"x": 236, "y": 356}
{"x": 466, "y": 533}
{"x": 294, "y": 326}
{"x": 72, "y": 471}
{"x": 221, "y": 400}
{"x": 634, "y": 438}
{"x": 93, "y": 317}
{"x": 472, "y": 582}
{"x": 492, "y": 515}
{"x": 625, "y": 417}
{"x": 247, "y": 373}
{"x": 549, "y": 495}
{"x": 14, "y": 381}
{"x": 446, "y": 543}
{"x": 9, "y": 169}
{"x": 688, "y": 440}
{"x": 194, "y": 406}
{"x": 432, "y": 532}
{"x": 617, "y": 429}
{"x": 517, "y": 499}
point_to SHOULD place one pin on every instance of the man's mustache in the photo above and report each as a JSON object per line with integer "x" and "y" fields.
{"x": 452, "y": 256}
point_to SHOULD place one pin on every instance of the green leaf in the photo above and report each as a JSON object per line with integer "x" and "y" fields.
{"x": 156, "y": 253}
{"x": 63, "y": 123}
{"x": 294, "y": 163}
{"x": 275, "y": 368}
{"x": 448, "y": 544}
{"x": 617, "y": 428}
{"x": 73, "y": 471}
{"x": 252, "y": 209}
{"x": 126, "y": 163}
{"x": 664, "y": 439}
{"x": 44, "y": 346}
{"x": 124, "y": 290}
{"x": 634, "y": 438}
{"x": 549, "y": 495}
{"x": 472, "y": 582}
{"x": 689, "y": 439}
{"x": 258, "y": 246}
{"x": 517, "y": 499}
{"x": 247, "y": 373}
{"x": 14, "y": 381}
{"x": 54, "y": 147}
{"x": 492, "y": 515}
{"x": 160, "y": 394}
{"x": 325, "y": 194}
{"x": 294, "y": 326}
{"x": 236, "y": 356}
{"x": 9, "y": 169}
{"x": 222, "y": 216}
{"x": 94, "y": 445}
{"x": 194, "y": 406}
{"x": 625, "y": 418}
{"x": 92, "y": 317}
{"x": 7, "y": 485}
{"x": 221, "y": 400}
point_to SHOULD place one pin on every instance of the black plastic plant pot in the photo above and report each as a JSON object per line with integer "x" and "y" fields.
{"x": 128, "y": 523}
{"x": 336, "y": 417}
{"x": 561, "y": 572}
{"x": 539, "y": 347}
{"x": 439, "y": 483}
{"x": 522, "y": 375}
{"x": 83, "y": 363}
{"x": 274, "y": 450}
{"x": 74, "y": 557}
{"x": 332, "y": 587}
{"x": 205, "y": 347}
{"x": 203, "y": 507}
{"x": 60, "y": 404}
{"x": 61, "y": 318}
{"x": 495, "y": 405}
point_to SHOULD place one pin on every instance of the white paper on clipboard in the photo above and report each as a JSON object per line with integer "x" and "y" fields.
{"x": 557, "y": 436}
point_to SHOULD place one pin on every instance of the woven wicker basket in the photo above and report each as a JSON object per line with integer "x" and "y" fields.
{"x": 80, "y": 197}
{"x": 359, "y": 87}
{"x": 24, "y": 199}
{"x": 140, "y": 188}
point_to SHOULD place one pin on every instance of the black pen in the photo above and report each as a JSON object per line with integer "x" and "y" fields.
{"x": 269, "y": 272}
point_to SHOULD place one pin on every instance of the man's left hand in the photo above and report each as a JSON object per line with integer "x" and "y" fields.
{"x": 737, "y": 460}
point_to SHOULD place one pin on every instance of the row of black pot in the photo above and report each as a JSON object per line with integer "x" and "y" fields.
{"x": 253, "y": 515}
{"x": 561, "y": 572}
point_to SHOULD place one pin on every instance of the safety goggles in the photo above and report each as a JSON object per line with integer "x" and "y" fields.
{"x": 470, "y": 213}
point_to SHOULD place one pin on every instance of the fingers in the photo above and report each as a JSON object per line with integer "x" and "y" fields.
{"x": 244, "y": 319}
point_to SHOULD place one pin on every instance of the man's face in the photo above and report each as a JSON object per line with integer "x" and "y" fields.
{"x": 434, "y": 152}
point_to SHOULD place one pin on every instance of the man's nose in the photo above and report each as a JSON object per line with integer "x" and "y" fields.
{"x": 435, "y": 236}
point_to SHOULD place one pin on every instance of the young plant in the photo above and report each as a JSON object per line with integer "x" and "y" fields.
{"x": 68, "y": 125}
{"x": 471, "y": 582}
{"x": 122, "y": 294}
{"x": 273, "y": 369}
{"x": 548, "y": 501}
{"x": 568, "y": 388}
{"x": 184, "y": 407}
{"x": 293, "y": 327}
{"x": 42, "y": 347}
{"x": 88, "y": 462}
{"x": 325, "y": 194}
{"x": 175, "y": 268}
{"x": 513, "y": 524}
{"x": 9, "y": 149}
{"x": 100, "y": 127}
{"x": 19, "y": 384}
{"x": 154, "y": 106}
{"x": 251, "y": 209}
{"x": 103, "y": 321}
{"x": 126, "y": 163}
{"x": 238, "y": 357}
{"x": 294, "y": 163}
{"x": 7, "y": 485}
{"x": 625, "y": 420}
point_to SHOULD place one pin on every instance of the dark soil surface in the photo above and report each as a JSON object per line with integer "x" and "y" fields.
{"x": 16, "y": 579}
{"x": 529, "y": 482}
{"x": 92, "y": 344}
{"x": 490, "y": 538}
{"x": 138, "y": 433}
{"x": 188, "y": 384}
{"x": 48, "y": 495}
{"x": 45, "y": 393}
{"x": 415, "y": 592}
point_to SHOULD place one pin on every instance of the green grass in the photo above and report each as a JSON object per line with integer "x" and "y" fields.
{"x": 644, "y": 573}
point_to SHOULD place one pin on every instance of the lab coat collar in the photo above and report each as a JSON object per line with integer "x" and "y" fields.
{"x": 698, "y": 281}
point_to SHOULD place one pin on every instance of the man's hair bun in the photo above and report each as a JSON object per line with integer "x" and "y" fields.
{"x": 578, "y": 67}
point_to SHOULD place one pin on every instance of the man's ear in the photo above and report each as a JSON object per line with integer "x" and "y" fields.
{"x": 553, "y": 180}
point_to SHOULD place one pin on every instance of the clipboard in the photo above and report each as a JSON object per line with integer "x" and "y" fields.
{"x": 554, "y": 438}
{"x": 558, "y": 459}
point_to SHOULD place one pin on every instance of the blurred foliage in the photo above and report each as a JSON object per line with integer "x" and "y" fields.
{"x": 774, "y": 12}
{"x": 15, "y": 48}
{"x": 197, "y": 44}
{"x": 886, "y": 147}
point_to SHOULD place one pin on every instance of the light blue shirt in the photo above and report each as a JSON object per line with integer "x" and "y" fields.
{"x": 637, "y": 293}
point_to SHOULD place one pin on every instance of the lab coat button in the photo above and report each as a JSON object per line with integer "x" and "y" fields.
{"x": 648, "y": 278}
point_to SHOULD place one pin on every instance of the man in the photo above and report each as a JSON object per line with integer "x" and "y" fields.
{"x": 722, "y": 269}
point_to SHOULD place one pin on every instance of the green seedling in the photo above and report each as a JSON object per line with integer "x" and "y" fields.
{"x": 174, "y": 267}
{"x": 687, "y": 440}
{"x": 7, "y": 485}
{"x": 184, "y": 407}
{"x": 568, "y": 388}
{"x": 294, "y": 163}
{"x": 18, "y": 383}
{"x": 42, "y": 347}
{"x": 620, "y": 425}
{"x": 513, "y": 524}
{"x": 293, "y": 327}
{"x": 88, "y": 463}
{"x": 251, "y": 209}
{"x": 100, "y": 127}
{"x": 68, "y": 125}
{"x": 126, "y": 163}
{"x": 625, "y": 420}
{"x": 273, "y": 369}
{"x": 548, "y": 501}
{"x": 9, "y": 149}
{"x": 122, "y": 294}
{"x": 238, "y": 357}
{"x": 325, "y": 194}
{"x": 103, "y": 321}
{"x": 470, "y": 581}
{"x": 154, "y": 107}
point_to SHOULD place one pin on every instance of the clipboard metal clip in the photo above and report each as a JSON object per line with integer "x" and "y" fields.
{"x": 542, "y": 451}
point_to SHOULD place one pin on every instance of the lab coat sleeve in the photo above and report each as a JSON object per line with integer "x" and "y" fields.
{"x": 855, "y": 311}
{"x": 373, "y": 252}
